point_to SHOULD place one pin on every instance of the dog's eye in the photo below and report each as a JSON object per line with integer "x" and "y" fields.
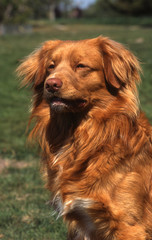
{"x": 80, "y": 65}
{"x": 51, "y": 66}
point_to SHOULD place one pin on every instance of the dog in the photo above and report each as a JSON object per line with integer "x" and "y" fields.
{"x": 96, "y": 143}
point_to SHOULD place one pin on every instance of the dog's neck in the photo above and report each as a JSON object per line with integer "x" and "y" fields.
{"x": 61, "y": 128}
{"x": 70, "y": 136}
{"x": 68, "y": 128}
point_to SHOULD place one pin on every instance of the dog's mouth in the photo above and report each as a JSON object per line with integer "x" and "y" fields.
{"x": 60, "y": 103}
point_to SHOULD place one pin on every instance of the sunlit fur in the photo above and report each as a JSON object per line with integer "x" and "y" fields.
{"x": 97, "y": 158}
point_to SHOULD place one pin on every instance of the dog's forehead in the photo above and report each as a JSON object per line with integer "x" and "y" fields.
{"x": 77, "y": 49}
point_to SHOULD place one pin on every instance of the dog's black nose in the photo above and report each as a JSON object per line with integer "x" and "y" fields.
{"x": 53, "y": 84}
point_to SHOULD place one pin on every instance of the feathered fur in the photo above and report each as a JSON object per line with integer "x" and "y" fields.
{"x": 98, "y": 156}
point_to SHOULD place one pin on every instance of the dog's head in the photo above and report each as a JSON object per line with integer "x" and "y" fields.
{"x": 74, "y": 75}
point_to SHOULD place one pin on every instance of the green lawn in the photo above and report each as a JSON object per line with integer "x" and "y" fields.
{"x": 24, "y": 214}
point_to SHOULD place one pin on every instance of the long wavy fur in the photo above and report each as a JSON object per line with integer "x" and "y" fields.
{"x": 98, "y": 161}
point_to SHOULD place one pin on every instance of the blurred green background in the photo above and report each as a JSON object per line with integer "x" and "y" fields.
{"x": 24, "y": 25}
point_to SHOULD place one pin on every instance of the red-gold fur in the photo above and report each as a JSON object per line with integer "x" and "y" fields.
{"x": 96, "y": 143}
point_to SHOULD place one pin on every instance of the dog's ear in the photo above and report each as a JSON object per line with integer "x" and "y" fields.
{"x": 120, "y": 66}
{"x": 33, "y": 67}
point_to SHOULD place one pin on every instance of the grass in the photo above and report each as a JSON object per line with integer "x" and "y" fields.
{"x": 24, "y": 213}
{"x": 104, "y": 18}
